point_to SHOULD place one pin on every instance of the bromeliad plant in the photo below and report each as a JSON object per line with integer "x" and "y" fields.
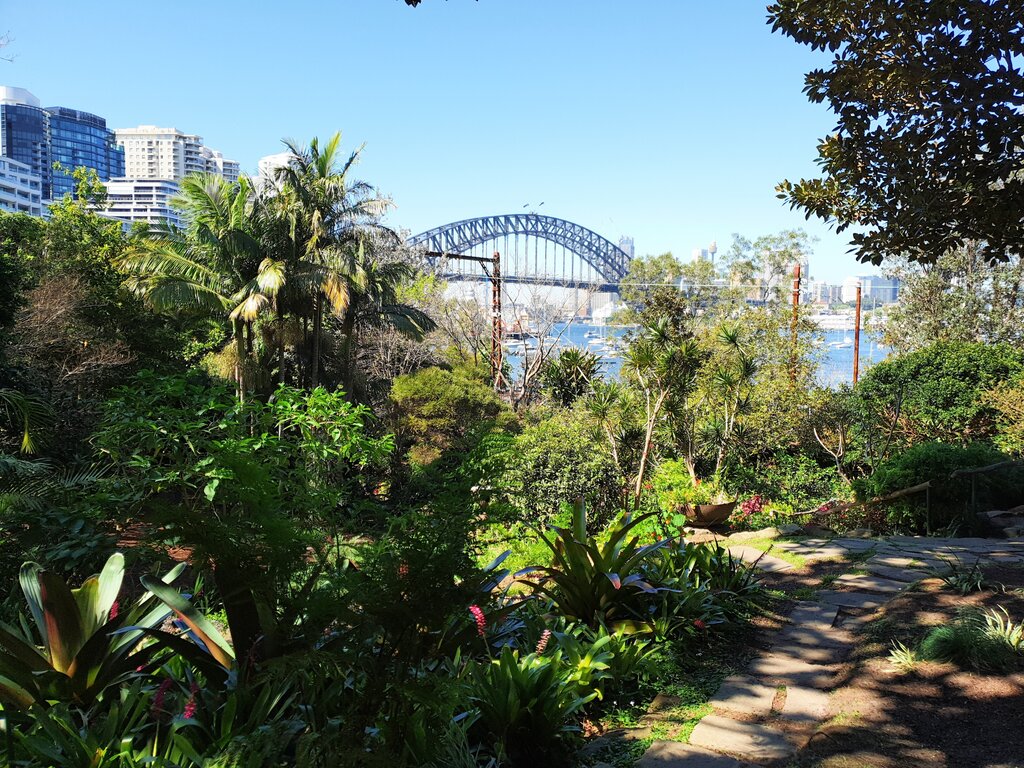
{"x": 87, "y": 641}
{"x": 523, "y": 705}
{"x": 598, "y": 579}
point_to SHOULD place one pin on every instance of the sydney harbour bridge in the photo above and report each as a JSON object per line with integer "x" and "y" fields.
{"x": 534, "y": 249}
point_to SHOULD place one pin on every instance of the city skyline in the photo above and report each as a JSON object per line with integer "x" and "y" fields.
{"x": 625, "y": 121}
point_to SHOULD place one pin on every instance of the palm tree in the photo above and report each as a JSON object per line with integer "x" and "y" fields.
{"x": 327, "y": 214}
{"x": 335, "y": 235}
{"x": 664, "y": 368}
{"x": 214, "y": 267}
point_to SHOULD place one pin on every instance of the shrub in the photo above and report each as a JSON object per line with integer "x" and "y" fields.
{"x": 1007, "y": 399}
{"x": 794, "y": 479}
{"x": 938, "y": 392}
{"x": 562, "y": 458}
{"x": 439, "y": 412}
{"x": 949, "y": 497}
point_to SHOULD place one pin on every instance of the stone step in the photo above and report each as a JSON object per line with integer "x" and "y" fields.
{"x": 908, "y": 575}
{"x": 750, "y": 741}
{"x": 851, "y": 599}
{"x": 786, "y": 670}
{"x": 856, "y": 545}
{"x": 744, "y": 695}
{"x": 818, "y": 654}
{"x": 804, "y": 704}
{"x": 816, "y": 615}
{"x": 675, "y": 754}
{"x": 813, "y": 637}
{"x": 891, "y": 561}
{"x": 870, "y": 583}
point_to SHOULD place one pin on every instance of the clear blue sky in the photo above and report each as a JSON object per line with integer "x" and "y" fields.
{"x": 667, "y": 120}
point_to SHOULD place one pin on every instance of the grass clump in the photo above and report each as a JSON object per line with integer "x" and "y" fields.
{"x": 972, "y": 641}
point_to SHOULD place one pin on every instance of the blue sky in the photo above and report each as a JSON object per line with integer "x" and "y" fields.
{"x": 667, "y": 120}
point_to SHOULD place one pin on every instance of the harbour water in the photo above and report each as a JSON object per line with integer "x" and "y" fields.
{"x": 608, "y": 343}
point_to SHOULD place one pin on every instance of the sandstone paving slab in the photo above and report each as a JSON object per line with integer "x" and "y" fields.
{"x": 765, "y": 562}
{"x": 896, "y": 574}
{"x": 744, "y": 695}
{"x": 827, "y": 552}
{"x": 814, "y": 636}
{"x": 818, "y": 615}
{"x": 1005, "y": 557}
{"x": 795, "y": 546}
{"x": 813, "y": 654}
{"x": 804, "y": 704}
{"x": 856, "y": 545}
{"x": 786, "y": 670}
{"x": 675, "y": 754}
{"x": 859, "y": 600}
{"x": 751, "y": 741}
{"x": 870, "y": 583}
{"x": 890, "y": 561}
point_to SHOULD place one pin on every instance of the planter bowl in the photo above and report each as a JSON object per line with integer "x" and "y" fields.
{"x": 706, "y": 515}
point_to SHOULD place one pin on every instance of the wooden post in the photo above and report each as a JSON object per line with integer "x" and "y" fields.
{"x": 793, "y": 322}
{"x": 496, "y": 329}
{"x": 856, "y": 339}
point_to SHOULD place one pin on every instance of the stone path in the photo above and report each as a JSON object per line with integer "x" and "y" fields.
{"x": 757, "y": 715}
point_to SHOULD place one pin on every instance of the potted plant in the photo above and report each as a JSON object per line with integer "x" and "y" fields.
{"x": 704, "y": 502}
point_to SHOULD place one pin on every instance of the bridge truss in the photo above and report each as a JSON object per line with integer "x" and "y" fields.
{"x": 535, "y": 249}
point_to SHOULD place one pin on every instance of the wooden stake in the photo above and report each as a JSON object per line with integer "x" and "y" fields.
{"x": 856, "y": 339}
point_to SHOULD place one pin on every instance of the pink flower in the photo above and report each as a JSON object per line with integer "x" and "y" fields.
{"x": 114, "y": 609}
{"x": 699, "y": 624}
{"x": 543, "y": 642}
{"x": 190, "y": 707}
{"x": 161, "y": 692}
{"x": 403, "y": 570}
{"x": 478, "y": 617}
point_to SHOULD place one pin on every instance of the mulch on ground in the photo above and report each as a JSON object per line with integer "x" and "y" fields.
{"x": 934, "y": 715}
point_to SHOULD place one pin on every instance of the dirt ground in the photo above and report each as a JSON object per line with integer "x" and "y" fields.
{"x": 934, "y": 715}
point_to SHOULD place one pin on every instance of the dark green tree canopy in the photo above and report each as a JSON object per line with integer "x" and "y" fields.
{"x": 928, "y": 148}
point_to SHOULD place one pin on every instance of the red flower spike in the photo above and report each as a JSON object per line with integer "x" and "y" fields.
{"x": 478, "y": 617}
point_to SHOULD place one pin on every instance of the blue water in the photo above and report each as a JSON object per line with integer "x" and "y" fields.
{"x": 836, "y": 359}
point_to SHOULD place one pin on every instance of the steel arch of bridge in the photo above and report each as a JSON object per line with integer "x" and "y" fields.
{"x": 610, "y": 261}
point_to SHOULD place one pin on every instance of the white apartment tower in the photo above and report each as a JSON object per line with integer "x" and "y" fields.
{"x": 20, "y": 188}
{"x": 167, "y": 153}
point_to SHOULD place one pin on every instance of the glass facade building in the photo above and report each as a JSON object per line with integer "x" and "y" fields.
{"x": 23, "y": 135}
{"x": 39, "y": 137}
{"x": 79, "y": 139}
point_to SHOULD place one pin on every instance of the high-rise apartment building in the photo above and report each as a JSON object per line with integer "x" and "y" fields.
{"x": 626, "y": 244}
{"x": 79, "y": 139}
{"x": 20, "y": 188}
{"x": 142, "y": 200}
{"x": 23, "y": 136}
{"x": 41, "y": 136}
{"x": 167, "y": 153}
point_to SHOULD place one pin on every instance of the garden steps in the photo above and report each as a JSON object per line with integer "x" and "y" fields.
{"x": 765, "y": 714}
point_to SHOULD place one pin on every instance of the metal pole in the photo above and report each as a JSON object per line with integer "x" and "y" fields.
{"x": 856, "y": 339}
{"x": 496, "y": 330}
{"x": 793, "y": 322}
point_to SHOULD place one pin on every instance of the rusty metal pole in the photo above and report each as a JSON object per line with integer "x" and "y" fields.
{"x": 793, "y": 322}
{"x": 856, "y": 338}
{"x": 496, "y": 329}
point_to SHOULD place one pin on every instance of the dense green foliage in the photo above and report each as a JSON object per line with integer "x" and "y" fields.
{"x": 261, "y": 407}
{"x": 937, "y": 393}
{"x": 924, "y": 154}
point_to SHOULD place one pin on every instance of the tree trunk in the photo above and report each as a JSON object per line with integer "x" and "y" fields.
{"x": 239, "y": 360}
{"x": 314, "y": 364}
